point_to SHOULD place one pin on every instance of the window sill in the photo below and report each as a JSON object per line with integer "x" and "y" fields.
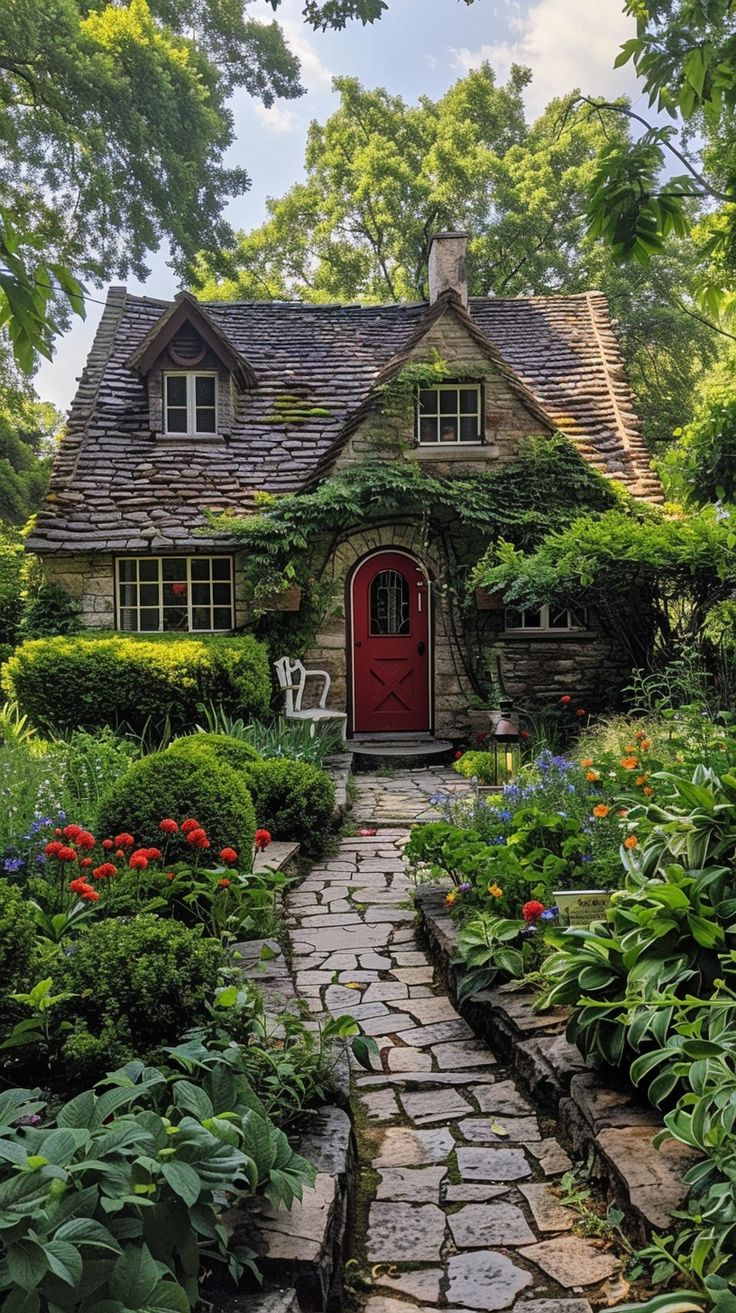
{"x": 454, "y": 451}
{"x": 568, "y": 635}
{"x": 199, "y": 439}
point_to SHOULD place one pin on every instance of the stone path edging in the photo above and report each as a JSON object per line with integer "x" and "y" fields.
{"x": 607, "y": 1126}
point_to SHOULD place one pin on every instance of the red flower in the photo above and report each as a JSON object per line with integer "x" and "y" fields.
{"x": 138, "y": 861}
{"x": 224, "y": 884}
{"x": 89, "y": 895}
{"x": 66, "y": 854}
{"x": 168, "y": 826}
{"x": 262, "y": 839}
{"x": 152, "y": 854}
{"x": 85, "y": 861}
{"x": 85, "y": 839}
{"x": 105, "y": 871}
{"x": 78, "y": 885}
{"x": 458, "y": 755}
{"x": 107, "y": 844}
{"x": 196, "y": 836}
{"x": 71, "y": 831}
{"x": 580, "y": 711}
{"x": 565, "y": 699}
{"x": 119, "y": 852}
{"x": 203, "y": 843}
{"x": 532, "y": 911}
{"x": 523, "y": 733}
{"x": 54, "y": 848}
{"x": 190, "y": 824}
{"x": 124, "y": 840}
{"x": 482, "y": 736}
{"x": 228, "y": 855}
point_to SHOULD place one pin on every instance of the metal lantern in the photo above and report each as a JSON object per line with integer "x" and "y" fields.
{"x": 505, "y": 744}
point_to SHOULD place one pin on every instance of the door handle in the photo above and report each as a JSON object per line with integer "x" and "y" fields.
{"x": 421, "y": 648}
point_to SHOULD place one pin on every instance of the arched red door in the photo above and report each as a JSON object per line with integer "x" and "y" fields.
{"x": 391, "y": 657}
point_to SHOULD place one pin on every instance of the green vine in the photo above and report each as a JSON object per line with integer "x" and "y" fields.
{"x": 291, "y": 539}
{"x": 397, "y": 396}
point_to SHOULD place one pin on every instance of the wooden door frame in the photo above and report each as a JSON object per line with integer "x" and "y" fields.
{"x": 349, "y": 628}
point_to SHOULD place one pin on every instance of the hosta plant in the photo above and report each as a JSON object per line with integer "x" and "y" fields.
{"x": 114, "y": 1203}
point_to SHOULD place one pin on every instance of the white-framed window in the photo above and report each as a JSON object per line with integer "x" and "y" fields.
{"x": 190, "y": 403}
{"x": 547, "y": 618}
{"x": 450, "y": 413}
{"x": 165, "y": 594}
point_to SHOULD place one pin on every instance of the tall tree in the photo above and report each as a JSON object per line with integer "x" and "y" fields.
{"x": 382, "y": 176}
{"x": 27, "y": 429}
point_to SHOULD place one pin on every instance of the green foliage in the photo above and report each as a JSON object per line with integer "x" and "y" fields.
{"x": 279, "y": 738}
{"x": 701, "y": 465}
{"x": 118, "y": 1198}
{"x": 234, "y": 752}
{"x": 66, "y": 682}
{"x": 293, "y": 800}
{"x": 651, "y": 578}
{"x": 485, "y": 949}
{"x": 477, "y": 764}
{"x": 381, "y": 176}
{"x": 398, "y": 395}
{"x": 180, "y": 785}
{"x": 11, "y": 563}
{"x": 27, "y": 427}
{"x": 48, "y": 610}
{"x": 17, "y": 943}
{"x": 134, "y": 986}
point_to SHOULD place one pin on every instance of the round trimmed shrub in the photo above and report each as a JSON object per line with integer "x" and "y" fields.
{"x": 180, "y": 785}
{"x": 17, "y": 946}
{"x": 234, "y": 752}
{"x": 293, "y": 800}
{"x": 136, "y": 986}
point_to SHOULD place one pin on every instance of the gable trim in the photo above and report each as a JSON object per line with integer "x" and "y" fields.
{"x": 185, "y": 309}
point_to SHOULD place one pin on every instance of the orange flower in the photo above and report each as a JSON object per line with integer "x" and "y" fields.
{"x": 641, "y": 779}
{"x": 592, "y": 776}
{"x": 587, "y": 761}
{"x": 624, "y": 811}
{"x": 600, "y": 810}
{"x": 629, "y": 763}
{"x": 644, "y": 745}
{"x": 631, "y": 842}
{"x": 495, "y": 891}
{"x": 648, "y": 791}
{"x": 451, "y": 898}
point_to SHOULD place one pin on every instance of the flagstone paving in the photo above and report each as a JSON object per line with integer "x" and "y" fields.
{"x": 456, "y": 1208}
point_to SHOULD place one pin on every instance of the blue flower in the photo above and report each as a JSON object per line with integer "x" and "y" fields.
{"x": 40, "y": 823}
{"x": 438, "y": 797}
{"x": 12, "y": 863}
{"x": 499, "y": 840}
{"x": 505, "y": 815}
{"x": 548, "y": 914}
{"x": 586, "y": 857}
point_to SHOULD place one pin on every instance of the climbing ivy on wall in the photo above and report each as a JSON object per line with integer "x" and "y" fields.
{"x": 291, "y": 539}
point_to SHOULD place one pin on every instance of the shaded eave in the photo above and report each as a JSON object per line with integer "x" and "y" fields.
{"x": 186, "y": 309}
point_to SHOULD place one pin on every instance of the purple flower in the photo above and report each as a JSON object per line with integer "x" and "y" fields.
{"x": 586, "y": 857}
{"x": 12, "y": 863}
{"x": 465, "y": 887}
{"x": 499, "y": 840}
{"x": 549, "y": 914}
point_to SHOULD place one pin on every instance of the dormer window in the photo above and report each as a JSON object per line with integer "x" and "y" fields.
{"x": 451, "y": 413}
{"x": 190, "y": 403}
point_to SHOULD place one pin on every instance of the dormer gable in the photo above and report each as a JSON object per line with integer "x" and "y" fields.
{"x": 185, "y": 330}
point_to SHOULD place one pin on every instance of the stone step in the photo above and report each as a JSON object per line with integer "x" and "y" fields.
{"x": 372, "y": 751}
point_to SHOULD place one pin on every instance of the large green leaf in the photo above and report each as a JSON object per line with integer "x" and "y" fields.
{"x": 183, "y": 1179}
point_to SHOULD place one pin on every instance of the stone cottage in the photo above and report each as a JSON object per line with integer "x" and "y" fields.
{"x": 184, "y": 406}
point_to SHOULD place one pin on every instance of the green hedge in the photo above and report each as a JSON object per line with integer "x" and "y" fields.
{"x": 293, "y": 800}
{"x": 172, "y": 785}
{"x": 65, "y": 682}
{"x": 234, "y": 752}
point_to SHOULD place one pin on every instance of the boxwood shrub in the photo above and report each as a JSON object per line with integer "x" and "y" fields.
{"x": 134, "y": 985}
{"x": 123, "y": 679}
{"x": 293, "y": 800}
{"x": 177, "y": 785}
{"x": 234, "y": 752}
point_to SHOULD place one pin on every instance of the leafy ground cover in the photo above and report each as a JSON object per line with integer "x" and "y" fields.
{"x": 127, "y": 877}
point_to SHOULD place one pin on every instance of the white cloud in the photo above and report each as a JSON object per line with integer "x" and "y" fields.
{"x": 278, "y": 118}
{"x": 567, "y": 44}
{"x": 315, "y": 74}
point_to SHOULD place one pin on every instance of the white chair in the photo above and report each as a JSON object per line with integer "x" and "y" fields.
{"x": 292, "y": 677}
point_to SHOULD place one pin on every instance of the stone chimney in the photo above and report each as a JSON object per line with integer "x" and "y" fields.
{"x": 447, "y": 272}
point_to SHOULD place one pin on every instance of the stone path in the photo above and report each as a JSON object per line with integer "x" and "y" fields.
{"x": 402, "y": 796}
{"x": 456, "y": 1207}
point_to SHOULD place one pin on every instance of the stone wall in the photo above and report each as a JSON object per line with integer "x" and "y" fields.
{"x": 89, "y": 578}
{"x": 506, "y": 420}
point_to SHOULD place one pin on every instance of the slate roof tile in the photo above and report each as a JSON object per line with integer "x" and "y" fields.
{"x": 114, "y": 485}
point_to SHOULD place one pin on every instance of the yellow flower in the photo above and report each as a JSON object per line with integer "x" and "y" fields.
{"x": 451, "y": 898}
{"x": 352, "y": 984}
{"x": 494, "y": 890}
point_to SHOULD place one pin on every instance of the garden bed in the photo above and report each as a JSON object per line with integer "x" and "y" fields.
{"x": 603, "y": 1123}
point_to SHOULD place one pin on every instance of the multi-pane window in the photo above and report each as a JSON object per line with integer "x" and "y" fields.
{"x": 190, "y": 403}
{"x": 449, "y": 414}
{"x": 175, "y": 593}
{"x": 549, "y": 618}
{"x": 389, "y": 604}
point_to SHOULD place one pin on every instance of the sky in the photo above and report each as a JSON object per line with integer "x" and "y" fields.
{"x": 420, "y": 47}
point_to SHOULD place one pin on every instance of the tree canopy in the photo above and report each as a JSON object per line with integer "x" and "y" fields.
{"x": 382, "y": 176}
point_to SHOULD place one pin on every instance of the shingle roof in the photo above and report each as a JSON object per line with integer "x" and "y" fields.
{"x": 115, "y": 486}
